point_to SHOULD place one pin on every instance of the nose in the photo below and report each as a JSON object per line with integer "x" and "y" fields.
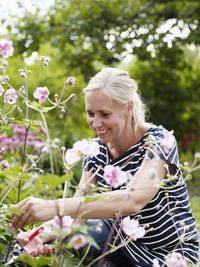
{"x": 97, "y": 122}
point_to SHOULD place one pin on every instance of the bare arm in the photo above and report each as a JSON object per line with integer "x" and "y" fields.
{"x": 141, "y": 189}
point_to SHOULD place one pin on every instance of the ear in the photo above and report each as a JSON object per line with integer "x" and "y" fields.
{"x": 130, "y": 106}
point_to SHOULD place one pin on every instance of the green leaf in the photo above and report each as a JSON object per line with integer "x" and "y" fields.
{"x": 46, "y": 109}
{"x": 55, "y": 180}
{"x": 32, "y": 261}
{"x": 36, "y": 104}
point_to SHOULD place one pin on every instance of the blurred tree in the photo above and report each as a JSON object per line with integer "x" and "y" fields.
{"x": 169, "y": 84}
{"x": 87, "y": 31}
{"x": 88, "y": 34}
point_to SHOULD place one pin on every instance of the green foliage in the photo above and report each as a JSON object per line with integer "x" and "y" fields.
{"x": 34, "y": 262}
{"x": 167, "y": 83}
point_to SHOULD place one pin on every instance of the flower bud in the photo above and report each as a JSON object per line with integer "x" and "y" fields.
{"x": 33, "y": 166}
{"x": 5, "y": 63}
{"x": 23, "y": 74}
{"x": 56, "y": 140}
{"x": 2, "y": 149}
{"x": 99, "y": 227}
{"x": 41, "y": 171}
{"x": 197, "y": 155}
{"x": 4, "y": 164}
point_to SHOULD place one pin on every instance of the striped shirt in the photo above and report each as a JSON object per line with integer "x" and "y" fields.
{"x": 167, "y": 218}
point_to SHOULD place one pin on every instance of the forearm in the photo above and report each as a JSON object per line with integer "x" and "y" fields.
{"x": 106, "y": 206}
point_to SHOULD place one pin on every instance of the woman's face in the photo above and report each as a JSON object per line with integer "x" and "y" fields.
{"x": 106, "y": 117}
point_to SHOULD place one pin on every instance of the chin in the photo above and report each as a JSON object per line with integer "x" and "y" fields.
{"x": 104, "y": 139}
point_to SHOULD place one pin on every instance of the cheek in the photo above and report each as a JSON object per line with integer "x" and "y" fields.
{"x": 89, "y": 121}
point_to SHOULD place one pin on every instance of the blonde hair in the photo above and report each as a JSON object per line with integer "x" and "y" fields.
{"x": 117, "y": 85}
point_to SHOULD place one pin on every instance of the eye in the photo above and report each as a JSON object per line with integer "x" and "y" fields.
{"x": 105, "y": 114}
{"x": 90, "y": 114}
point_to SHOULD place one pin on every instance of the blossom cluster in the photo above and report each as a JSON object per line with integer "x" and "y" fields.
{"x": 17, "y": 139}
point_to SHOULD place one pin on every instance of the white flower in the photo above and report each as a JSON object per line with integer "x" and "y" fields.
{"x": 79, "y": 149}
{"x": 131, "y": 228}
{"x": 77, "y": 241}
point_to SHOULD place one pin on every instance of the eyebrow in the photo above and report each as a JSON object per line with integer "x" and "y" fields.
{"x": 97, "y": 110}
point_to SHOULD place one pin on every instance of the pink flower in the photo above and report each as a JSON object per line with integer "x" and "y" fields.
{"x": 168, "y": 142}
{"x": 71, "y": 80}
{"x": 175, "y": 260}
{"x": 10, "y": 96}
{"x": 79, "y": 149}
{"x": 4, "y": 164}
{"x": 1, "y": 90}
{"x": 41, "y": 93}
{"x": 114, "y": 176}
{"x": 131, "y": 228}
{"x": 6, "y": 48}
{"x": 77, "y": 241}
{"x": 65, "y": 224}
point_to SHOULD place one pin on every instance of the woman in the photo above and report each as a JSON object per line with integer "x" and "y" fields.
{"x": 155, "y": 194}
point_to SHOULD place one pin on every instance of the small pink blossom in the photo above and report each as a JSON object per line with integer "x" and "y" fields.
{"x": 71, "y": 80}
{"x": 114, "y": 176}
{"x": 131, "y": 228}
{"x": 6, "y": 48}
{"x": 4, "y": 164}
{"x": 1, "y": 90}
{"x": 175, "y": 260}
{"x": 77, "y": 241}
{"x": 41, "y": 93}
{"x": 168, "y": 142}
{"x": 65, "y": 224}
{"x": 156, "y": 263}
{"x": 10, "y": 96}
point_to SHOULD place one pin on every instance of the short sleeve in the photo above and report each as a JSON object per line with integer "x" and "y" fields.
{"x": 162, "y": 144}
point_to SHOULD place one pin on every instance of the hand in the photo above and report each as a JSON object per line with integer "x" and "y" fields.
{"x": 35, "y": 246}
{"x": 33, "y": 210}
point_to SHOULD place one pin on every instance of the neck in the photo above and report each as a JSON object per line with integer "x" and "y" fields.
{"x": 129, "y": 139}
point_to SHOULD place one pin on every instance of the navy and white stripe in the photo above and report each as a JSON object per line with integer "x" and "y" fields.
{"x": 168, "y": 213}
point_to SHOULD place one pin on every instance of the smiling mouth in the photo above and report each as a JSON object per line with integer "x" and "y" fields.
{"x": 101, "y": 133}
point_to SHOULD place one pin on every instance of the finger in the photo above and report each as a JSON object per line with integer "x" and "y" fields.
{"x": 16, "y": 218}
{"x": 19, "y": 205}
{"x": 21, "y": 220}
{"x": 40, "y": 249}
{"x": 47, "y": 250}
{"x": 22, "y": 240}
{"x": 34, "y": 253}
